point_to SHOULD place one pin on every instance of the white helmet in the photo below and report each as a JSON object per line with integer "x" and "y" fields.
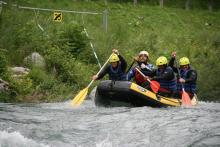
{"x": 144, "y": 53}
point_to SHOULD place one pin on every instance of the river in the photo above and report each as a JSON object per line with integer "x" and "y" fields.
{"x": 58, "y": 124}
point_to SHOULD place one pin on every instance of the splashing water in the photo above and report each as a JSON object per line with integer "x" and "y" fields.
{"x": 58, "y": 124}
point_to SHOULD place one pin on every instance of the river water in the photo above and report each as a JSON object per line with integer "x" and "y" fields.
{"x": 58, "y": 124}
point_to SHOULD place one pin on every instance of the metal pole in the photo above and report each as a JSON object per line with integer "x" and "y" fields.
{"x": 106, "y": 3}
{"x": 105, "y": 20}
{"x": 93, "y": 49}
{"x": 59, "y": 10}
{"x": 0, "y": 7}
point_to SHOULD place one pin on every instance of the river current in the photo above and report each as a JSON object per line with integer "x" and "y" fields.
{"x": 58, "y": 124}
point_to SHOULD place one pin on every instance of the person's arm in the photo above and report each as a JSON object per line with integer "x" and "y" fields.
{"x": 171, "y": 64}
{"x": 123, "y": 63}
{"x": 131, "y": 74}
{"x": 103, "y": 72}
{"x": 192, "y": 76}
{"x": 153, "y": 72}
{"x": 172, "y": 61}
{"x": 168, "y": 75}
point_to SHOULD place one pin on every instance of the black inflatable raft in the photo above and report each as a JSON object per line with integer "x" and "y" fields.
{"x": 125, "y": 93}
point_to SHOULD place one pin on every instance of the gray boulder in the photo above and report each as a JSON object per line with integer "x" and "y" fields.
{"x": 19, "y": 71}
{"x": 4, "y": 86}
{"x": 35, "y": 59}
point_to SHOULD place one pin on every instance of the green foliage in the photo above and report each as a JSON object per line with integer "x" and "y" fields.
{"x": 67, "y": 67}
{"x": 7, "y": 97}
{"x": 70, "y": 60}
{"x": 46, "y": 84}
{"x": 61, "y": 61}
{"x": 3, "y": 64}
{"x": 22, "y": 85}
{"x": 194, "y": 4}
{"x": 41, "y": 79}
{"x": 72, "y": 36}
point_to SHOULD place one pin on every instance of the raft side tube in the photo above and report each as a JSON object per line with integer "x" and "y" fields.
{"x": 124, "y": 93}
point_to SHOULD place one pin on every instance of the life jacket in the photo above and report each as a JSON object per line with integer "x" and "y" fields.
{"x": 169, "y": 85}
{"x": 189, "y": 87}
{"x": 139, "y": 78}
{"x": 117, "y": 74}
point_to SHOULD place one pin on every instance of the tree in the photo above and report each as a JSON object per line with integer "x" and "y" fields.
{"x": 135, "y": 2}
{"x": 187, "y": 4}
{"x": 161, "y": 3}
{"x": 210, "y": 5}
{"x": 106, "y": 2}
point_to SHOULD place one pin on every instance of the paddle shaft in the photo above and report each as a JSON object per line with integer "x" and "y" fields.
{"x": 100, "y": 70}
{"x": 178, "y": 70}
{"x": 143, "y": 75}
{"x": 185, "y": 97}
{"x": 130, "y": 66}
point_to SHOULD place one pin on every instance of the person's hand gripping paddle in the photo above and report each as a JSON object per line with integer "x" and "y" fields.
{"x": 186, "y": 101}
{"x": 155, "y": 86}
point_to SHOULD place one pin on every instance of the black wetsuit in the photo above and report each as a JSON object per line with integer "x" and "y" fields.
{"x": 118, "y": 73}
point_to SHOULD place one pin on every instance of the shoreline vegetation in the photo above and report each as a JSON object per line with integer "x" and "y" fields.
{"x": 69, "y": 61}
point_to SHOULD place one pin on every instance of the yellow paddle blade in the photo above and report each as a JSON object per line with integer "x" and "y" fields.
{"x": 79, "y": 98}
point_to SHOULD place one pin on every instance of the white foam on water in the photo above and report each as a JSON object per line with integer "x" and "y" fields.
{"x": 67, "y": 105}
{"x": 15, "y": 139}
{"x": 104, "y": 143}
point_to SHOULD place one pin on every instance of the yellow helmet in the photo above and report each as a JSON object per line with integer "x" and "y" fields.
{"x": 114, "y": 58}
{"x": 184, "y": 61}
{"x": 161, "y": 61}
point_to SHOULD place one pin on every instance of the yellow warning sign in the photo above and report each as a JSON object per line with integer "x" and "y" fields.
{"x": 57, "y": 16}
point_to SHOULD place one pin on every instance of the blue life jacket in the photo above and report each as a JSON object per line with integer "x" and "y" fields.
{"x": 188, "y": 86}
{"x": 170, "y": 85}
{"x": 117, "y": 74}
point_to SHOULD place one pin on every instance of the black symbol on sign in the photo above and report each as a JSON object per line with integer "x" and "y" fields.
{"x": 58, "y": 16}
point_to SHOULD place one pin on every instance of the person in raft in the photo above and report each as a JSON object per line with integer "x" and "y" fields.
{"x": 116, "y": 69}
{"x": 165, "y": 76}
{"x": 145, "y": 67}
{"x": 187, "y": 77}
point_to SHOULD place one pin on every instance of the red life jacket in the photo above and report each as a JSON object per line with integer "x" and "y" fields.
{"x": 139, "y": 78}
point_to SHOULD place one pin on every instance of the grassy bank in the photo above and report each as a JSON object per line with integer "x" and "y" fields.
{"x": 65, "y": 47}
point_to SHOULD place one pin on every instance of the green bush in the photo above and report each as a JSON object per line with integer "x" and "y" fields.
{"x": 67, "y": 67}
{"x": 70, "y": 59}
{"x": 72, "y": 37}
{"x": 41, "y": 79}
{"x": 22, "y": 85}
{"x": 3, "y": 64}
{"x": 62, "y": 61}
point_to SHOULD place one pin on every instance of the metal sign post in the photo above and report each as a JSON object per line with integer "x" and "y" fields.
{"x": 1, "y": 5}
{"x": 105, "y": 20}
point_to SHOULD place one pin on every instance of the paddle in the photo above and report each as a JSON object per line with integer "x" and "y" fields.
{"x": 130, "y": 66}
{"x": 186, "y": 101}
{"x": 80, "y": 97}
{"x": 155, "y": 86}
